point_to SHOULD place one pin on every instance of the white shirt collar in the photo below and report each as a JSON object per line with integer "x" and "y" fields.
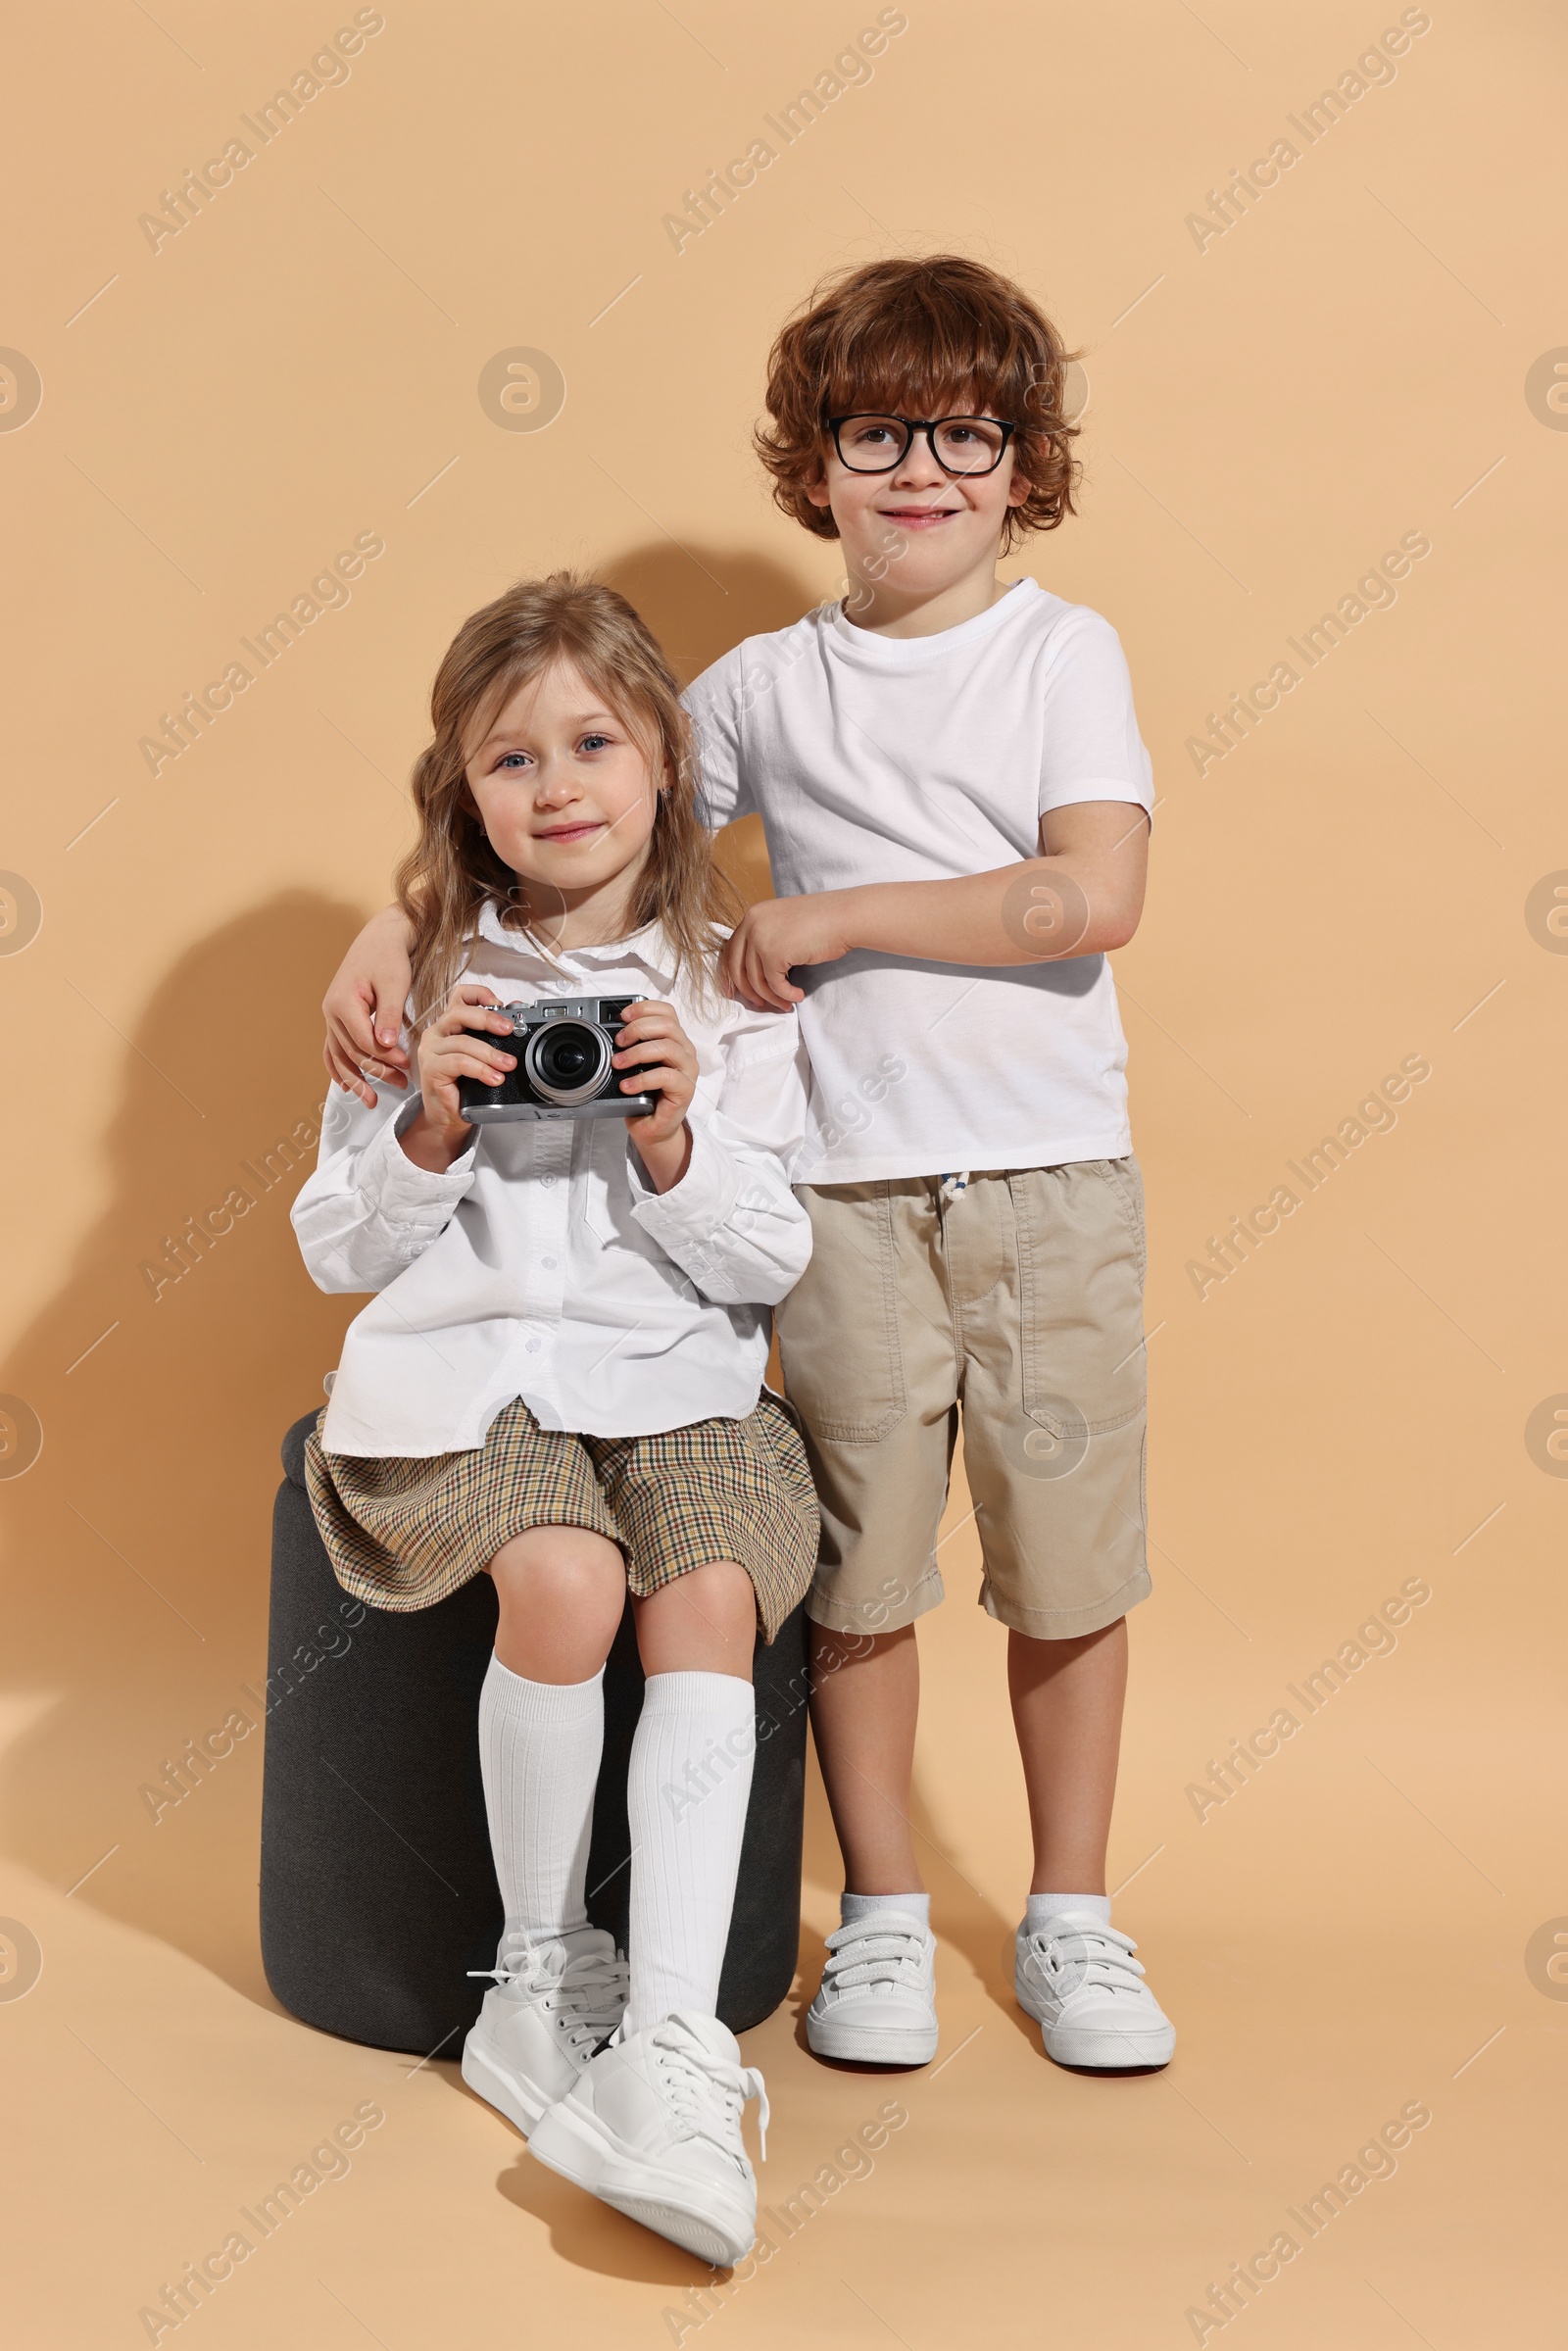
{"x": 648, "y": 948}
{"x": 865, "y": 646}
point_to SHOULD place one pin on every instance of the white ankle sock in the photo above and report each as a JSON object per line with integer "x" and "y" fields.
{"x": 686, "y": 1797}
{"x": 860, "y": 1906}
{"x": 1041, "y": 1908}
{"x": 539, "y": 1749}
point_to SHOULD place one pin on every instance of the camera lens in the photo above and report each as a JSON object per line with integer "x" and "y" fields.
{"x": 567, "y": 1061}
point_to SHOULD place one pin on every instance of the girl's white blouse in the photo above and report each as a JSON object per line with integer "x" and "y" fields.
{"x": 541, "y": 1265}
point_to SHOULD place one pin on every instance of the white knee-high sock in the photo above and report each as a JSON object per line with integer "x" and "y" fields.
{"x": 539, "y": 1748}
{"x": 686, "y": 1797}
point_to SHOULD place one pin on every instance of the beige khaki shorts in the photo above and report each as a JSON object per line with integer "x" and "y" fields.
{"x": 1019, "y": 1299}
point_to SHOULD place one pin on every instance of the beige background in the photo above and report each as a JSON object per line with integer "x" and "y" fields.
{"x": 1349, "y": 886}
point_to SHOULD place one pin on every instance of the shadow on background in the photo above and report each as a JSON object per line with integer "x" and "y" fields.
{"x": 698, "y": 606}
{"x": 136, "y": 1544}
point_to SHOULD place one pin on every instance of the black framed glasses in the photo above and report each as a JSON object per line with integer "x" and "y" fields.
{"x": 961, "y": 445}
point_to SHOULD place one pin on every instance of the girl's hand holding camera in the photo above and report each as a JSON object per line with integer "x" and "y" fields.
{"x": 653, "y": 1049}
{"x": 454, "y": 1045}
{"x": 660, "y": 1058}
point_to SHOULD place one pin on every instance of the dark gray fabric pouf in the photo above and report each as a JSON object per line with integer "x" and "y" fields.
{"x": 377, "y": 1887}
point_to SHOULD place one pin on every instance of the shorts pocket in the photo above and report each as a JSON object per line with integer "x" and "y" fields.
{"x": 1081, "y": 1258}
{"x": 838, "y": 1328}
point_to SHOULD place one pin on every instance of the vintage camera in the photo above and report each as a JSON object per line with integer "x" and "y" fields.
{"x": 566, "y": 1065}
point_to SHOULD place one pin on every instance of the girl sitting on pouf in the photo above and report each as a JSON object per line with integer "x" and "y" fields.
{"x": 560, "y": 1381}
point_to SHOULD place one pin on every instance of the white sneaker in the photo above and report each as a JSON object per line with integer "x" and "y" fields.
{"x": 878, "y": 1997}
{"x": 555, "y": 1999}
{"x": 654, "y": 2128}
{"x": 1080, "y": 1978}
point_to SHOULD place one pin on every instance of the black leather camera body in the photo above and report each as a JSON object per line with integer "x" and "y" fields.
{"x": 566, "y": 1065}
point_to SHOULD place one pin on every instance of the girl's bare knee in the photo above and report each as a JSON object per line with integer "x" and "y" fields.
{"x": 705, "y": 1620}
{"x": 722, "y": 1587}
{"x": 561, "y": 1575}
{"x": 563, "y": 1556}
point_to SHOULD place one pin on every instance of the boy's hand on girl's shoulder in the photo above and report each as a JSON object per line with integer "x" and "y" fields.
{"x": 771, "y": 937}
{"x": 361, "y": 1044}
{"x": 364, "y": 1009}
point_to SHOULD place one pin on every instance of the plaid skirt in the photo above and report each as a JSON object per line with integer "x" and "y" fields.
{"x": 403, "y": 1534}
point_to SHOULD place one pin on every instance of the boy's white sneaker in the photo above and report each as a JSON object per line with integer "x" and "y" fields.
{"x": 555, "y": 1999}
{"x": 878, "y": 1998}
{"x": 1081, "y": 1980}
{"x": 653, "y": 2126}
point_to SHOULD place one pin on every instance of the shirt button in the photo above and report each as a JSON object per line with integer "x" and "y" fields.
{"x": 549, "y": 1264}
{"x": 547, "y": 1181}
{"x": 533, "y": 1346}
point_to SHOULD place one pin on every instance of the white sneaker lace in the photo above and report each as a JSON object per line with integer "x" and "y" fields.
{"x": 886, "y": 1946}
{"x": 1085, "y": 1958}
{"x": 706, "y": 2092}
{"x": 585, "y": 1994}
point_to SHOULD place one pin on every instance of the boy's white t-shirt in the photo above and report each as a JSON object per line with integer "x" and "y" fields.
{"x": 875, "y": 758}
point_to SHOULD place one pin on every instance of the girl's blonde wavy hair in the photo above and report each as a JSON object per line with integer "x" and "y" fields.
{"x": 452, "y": 870}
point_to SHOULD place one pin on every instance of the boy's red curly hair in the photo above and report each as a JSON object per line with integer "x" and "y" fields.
{"x": 920, "y": 338}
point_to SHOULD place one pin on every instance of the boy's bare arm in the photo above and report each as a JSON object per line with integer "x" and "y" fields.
{"x": 1083, "y": 895}
{"x": 363, "y": 1007}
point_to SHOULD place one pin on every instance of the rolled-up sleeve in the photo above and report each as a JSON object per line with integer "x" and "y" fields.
{"x": 368, "y": 1212}
{"x": 732, "y": 1223}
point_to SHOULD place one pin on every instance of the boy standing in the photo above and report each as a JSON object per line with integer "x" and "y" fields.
{"x": 955, "y": 795}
